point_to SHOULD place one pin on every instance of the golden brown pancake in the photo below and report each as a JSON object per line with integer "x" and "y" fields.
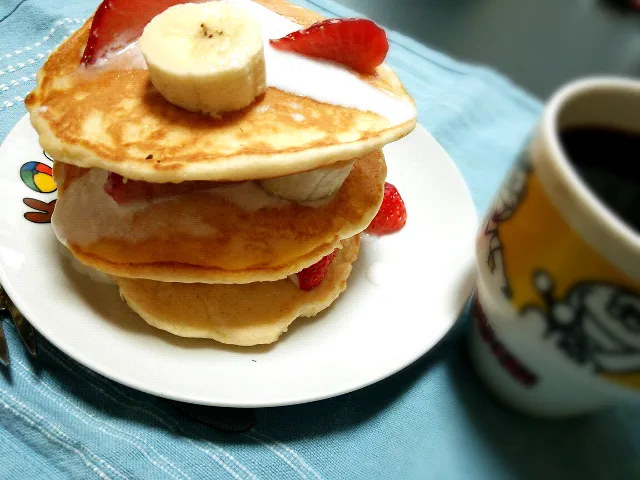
{"x": 115, "y": 120}
{"x": 250, "y": 314}
{"x": 205, "y": 237}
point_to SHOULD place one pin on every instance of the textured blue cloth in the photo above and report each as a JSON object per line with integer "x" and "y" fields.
{"x": 432, "y": 420}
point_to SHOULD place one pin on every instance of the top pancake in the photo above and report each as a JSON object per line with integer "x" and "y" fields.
{"x": 114, "y": 119}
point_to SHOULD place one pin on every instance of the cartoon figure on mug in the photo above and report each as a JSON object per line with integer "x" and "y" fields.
{"x": 595, "y": 324}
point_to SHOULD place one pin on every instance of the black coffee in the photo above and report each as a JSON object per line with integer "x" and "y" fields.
{"x": 608, "y": 160}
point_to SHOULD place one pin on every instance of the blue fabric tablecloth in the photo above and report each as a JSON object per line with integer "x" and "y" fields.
{"x": 432, "y": 420}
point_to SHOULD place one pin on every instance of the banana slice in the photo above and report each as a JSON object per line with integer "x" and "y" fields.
{"x": 309, "y": 186}
{"x": 206, "y": 57}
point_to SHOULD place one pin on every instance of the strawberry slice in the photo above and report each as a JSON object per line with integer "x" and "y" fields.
{"x": 117, "y": 23}
{"x": 392, "y": 214}
{"x": 355, "y": 42}
{"x": 136, "y": 190}
{"x": 310, "y": 277}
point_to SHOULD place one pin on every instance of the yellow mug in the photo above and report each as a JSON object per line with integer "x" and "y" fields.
{"x": 556, "y": 311}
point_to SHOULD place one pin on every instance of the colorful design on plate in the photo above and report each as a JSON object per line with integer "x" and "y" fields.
{"x": 595, "y": 324}
{"x": 43, "y": 212}
{"x": 38, "y": 177}
{"x": 511, "y": 194}
{"x": 513, "y": 366}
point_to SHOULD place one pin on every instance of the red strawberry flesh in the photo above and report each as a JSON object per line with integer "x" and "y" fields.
{"x": 357, "y": 43}
{"x": 392, "y": 214}
{"x": 310, "y": 277}
{"x": 117, "y": 23}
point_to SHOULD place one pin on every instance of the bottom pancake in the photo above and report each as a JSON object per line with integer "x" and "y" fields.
{"x": 237, "y": 314}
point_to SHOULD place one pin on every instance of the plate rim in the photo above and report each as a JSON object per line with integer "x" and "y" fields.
{"x": 95, "y": 368}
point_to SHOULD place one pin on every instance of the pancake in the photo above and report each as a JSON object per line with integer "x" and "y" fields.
{"x": 114, "y": 119}
{"x": 251, "y": 314}
{"x": 205, "y": 236}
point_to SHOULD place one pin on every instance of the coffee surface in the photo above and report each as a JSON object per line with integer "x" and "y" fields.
{"x": 608, "y": 160}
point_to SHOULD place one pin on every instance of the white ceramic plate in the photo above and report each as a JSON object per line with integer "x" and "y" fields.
{"x": 404, "y": 294}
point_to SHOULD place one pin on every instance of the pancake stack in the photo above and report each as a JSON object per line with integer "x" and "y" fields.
{"x": 175, "y": 207}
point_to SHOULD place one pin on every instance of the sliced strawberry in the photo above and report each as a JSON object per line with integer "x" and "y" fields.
{"x": 310, "y": 277}
{"x": 355, "y": 42}
{"x": 114, "y": 187}
{"x": 136, "y": 190}
{"x": 392, "y": 214}
{"x": 117, "y": 23}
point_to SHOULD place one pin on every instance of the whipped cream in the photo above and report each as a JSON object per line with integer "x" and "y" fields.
{"x": 324, "y": 81}
{"x": 126, "y": 57}
{"x": 86, "y": 213}
{"x": 321, "y": 80}
{"x": 249, "y": 196}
